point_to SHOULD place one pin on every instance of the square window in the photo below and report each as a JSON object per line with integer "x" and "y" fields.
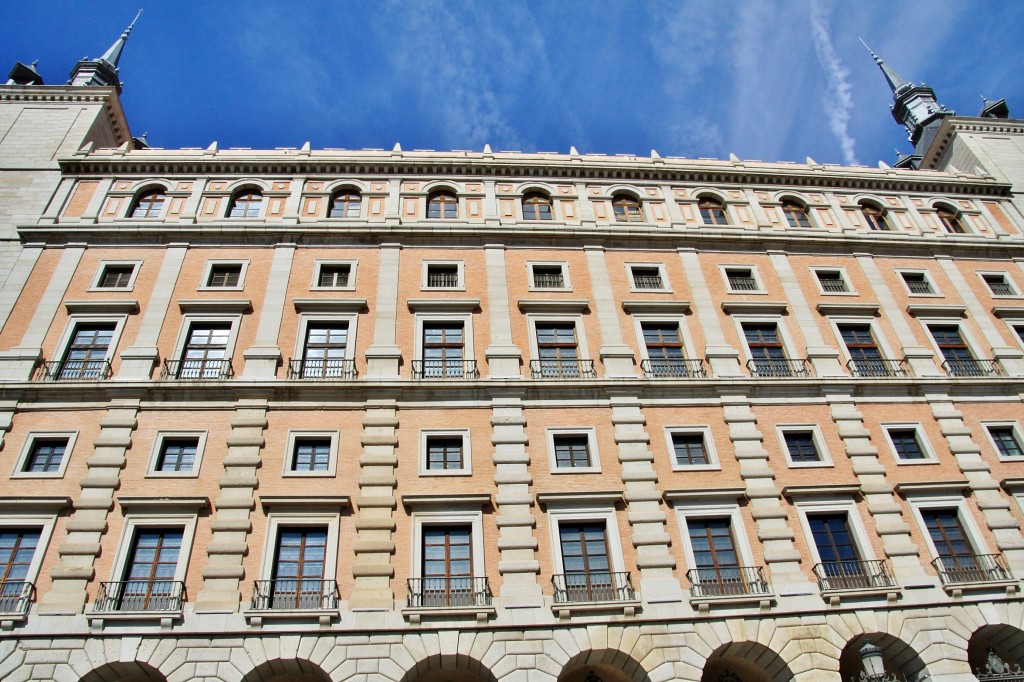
{"x": 444, "y": 453}
{"x": 311, "y": 453}
{"x": 1006, "y": 439}
{"x": 908, "y": 444}
{"x": 917, "y": 283}
{"x": 691, "y": 448}
{"x": 224, "y": 274}
{"x": 116, "y": 277}
{"x": 177, "y": 453}
{"x": 801, "y": 446}
{"x": 548, "y": 276}
{"x": 442, "y": 275}
{"x": 647, "y": 278}
{"x": 573, "y": 451}
{"x": 333, "y": 275}
{"x": 44, "y": 455}
{"x": 741, "y": 280}
{"x": 999, "y": 284}
{"x": 832, "y": 282}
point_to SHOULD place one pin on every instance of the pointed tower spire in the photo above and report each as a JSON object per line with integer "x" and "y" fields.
{"x": 895, "y": 81}
{"x": 103, "y": 71}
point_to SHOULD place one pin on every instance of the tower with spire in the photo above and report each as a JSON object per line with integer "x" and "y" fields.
{"x": 103, "y": 71}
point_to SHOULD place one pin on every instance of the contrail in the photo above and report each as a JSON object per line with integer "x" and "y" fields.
{"x": 837, "y": 99}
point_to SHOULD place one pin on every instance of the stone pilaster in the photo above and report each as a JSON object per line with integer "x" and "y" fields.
{"x": 137, "y": 360}
{"x": 88, "y": 523}
{"x": 616, "y": 356}
{"x": 886, "y": 512}
{"x": 382, "y": 358}
{"x": 723, "y": 359}
{"x": 231, "y": 525}
{"x": 16, "y": 280}
{"x": 823, "y": 358}
{"x": 643, "y": 503}
{"x": 995, "y": 508}
{"x": 264, "y": 356}
{"x": 771, "y": 518}
{"x": 516, "y": 542}
{"x": 374, "y": 545}
{"x": 503, "y": 356}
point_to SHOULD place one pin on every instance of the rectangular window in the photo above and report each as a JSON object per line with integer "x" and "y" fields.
{"x": 716, "y": 560}
{"x": 832, "y": 281}
{"x": 905, "y": 444}
{"x": 917, "y": 283}
{"x": 665, "y": 352}
{"x": 957, "y": 558}
{"x": 571, "y": 451}
{"x": 224, "y": 275}
{"x": 17, "y": 551}
{"x": 959, "y": 359}
{"x": 647, "y": 277}
{"x": 767, "y": 354}
{"x": 548, "y": 276}
{"x": 205, "y": 355}
{"x": 801, "y": 446}
{"x": 584, "y": 550}
{"x": 325, "y": 352}
{"x": 865, "y": 358}
{"x": 297, "y": 580}
{"x": 116, "y": 276}
{"x": 689, "y": 449}
{"x": 86, "y": 354}
{"x": 148, "y": 583}
{"x": 443, "y": 276}
{"x": 841, "y": 567}
{"x": 447, "y": 570}
{"x": 557, "y": 349}
{"x": 444, "y": 453}
{"x": 46, "y": 455}
{"x": 1006, "y": 441}
{"x": 443, "y": 350}
{"x": 999, "y": 285}
{"x": 741, "y": 279}
{"x": 311, "y": 454}
{"x": 333, "y": 275}
{"x": 177, "y": 454}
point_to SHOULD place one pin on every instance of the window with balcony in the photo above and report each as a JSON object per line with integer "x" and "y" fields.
{"x": 443, "y": 349}
{"x": 573, "y": 451}
{"x": 832, "y": 281}
{"x": 951, "y": 220}
{"x": 907, "y": 443}
{"x": 149, "y": 578}
{"x": 1006, "y": 439}
{"x": 865, "y": 358}
{"x": 537, "y": 206}
{"x": 875, "y": 217}
{"x": 150, "y": 204}
{"x": 445, "y": 453}
{"x": 442, "y": 276}
{"x": 796, "y": 214}
{"x": 741, "y": 280}
{"x": 85, "y": 358}
{"x": 447, "y": 566}
{"x": 588, "y": 574}
{"x": 712, "y": 211}
{"x": 18, "y": 549}
{"x": 548, "y": 276}
{"x": 647, "y": 278}
{"x": 345, "y": 204}
{"x": 298, "y": 576}
{"x": 717, "y": 569}
{"x": 999, "y": 284}
{"x": 666, "y": 356}
{"x": 917, "y": 283}
{"x": 691, "y": 448}
{"x": 116, "y": 276}
{"x": 767, "y": 353}
{"x": 246, "y": 204}
{"x": 957, "y": 557}
{"x": 333, "y": 276}
{"x": 223, "y": 276}
{"x": 841, "y": 563}
{"x": 442, "y": 205}
{"x": 204, "y": 354}
{"x": 558, "y": 353}
{"x": 959, "y": 360}
{"x": 325, "y": 352}
{"x": 627, "y": 209}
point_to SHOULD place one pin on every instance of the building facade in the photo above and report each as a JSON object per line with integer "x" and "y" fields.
{"x": 299, "y": 414}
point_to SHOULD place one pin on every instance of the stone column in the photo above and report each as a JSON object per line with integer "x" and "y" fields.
{"x": 516, "y": 542}
{"x": 137, "y": 360}
{"x": 375, "y": 524}
{"x": 770, "y": 516}
{"x": 263, "y": 357}
{"x": 88, "y": 522}
{"x": 616, "y": 356}
{"x": 231, "y": 525}
{"x": 722, "y": 358}
{"x": 885, "y": 511}
{"x": 383, "y": 356}
{"x": 503, "y": 357}
{"x": 644, "y": 504}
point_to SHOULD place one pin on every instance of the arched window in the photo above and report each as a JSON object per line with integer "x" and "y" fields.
{"x": 345, "y": 204}
{"x": 442, "y": 205}
{"x": 712, "y": 211}
{"x": 246, "y": 204}
{"x": 627, "y": 209}
{"x": 536, "y": 207}
{"x": 150, "y": 204}
{"x": 874, "y": 216}
{"x": 950, "y": 219}
{"x": 796, "y": 214}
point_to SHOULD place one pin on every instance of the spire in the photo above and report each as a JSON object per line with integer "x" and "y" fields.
{"x": 103, "y": 71}
{"x": 895, "y": 81}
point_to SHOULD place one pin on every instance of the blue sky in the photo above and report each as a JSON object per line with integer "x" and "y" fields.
{"x": 768, "y": 80}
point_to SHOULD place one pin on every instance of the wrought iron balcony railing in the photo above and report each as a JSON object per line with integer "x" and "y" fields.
{"x": 197, "y": 370}
{"x": 451, "y": 592}
{"x": 562, "y": 369}
{"x": 15, "y": 596}
{"x": 737, "y": 283}
{"x": 648, "y": 282}
{"x": 973, "y": 368}
{"x": 443, "y": 280}
{"x": 543, "y": 280}
{"x": 778, "y": 368}
{"x": 678, "y": 368}
{"x": 73, "y": 370}
{"x": 295, "y": 594}
{"x": 594, "y": 586}
{"x": 878, "y": 368}
{"x": 140, "y": 595}
{"x": 328, "y": 369}
{"x": 971, "y": 568}
{"x": 853, "y": 575}
{"x": 444, "y": 369}
{"x": 734, "y": 581}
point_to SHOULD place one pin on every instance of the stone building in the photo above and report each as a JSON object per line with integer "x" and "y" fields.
{"x": 304, "y": 415}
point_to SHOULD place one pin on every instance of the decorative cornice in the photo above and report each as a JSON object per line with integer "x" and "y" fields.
{"x": 448, "y": 500}
{"x": 329, "y": 305}
{"x": 657, "y": 307}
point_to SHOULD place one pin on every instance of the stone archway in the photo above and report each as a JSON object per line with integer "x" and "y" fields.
{"x": 900, "y": 658}
{"x": 603, "y": 665}
{"x": 131, "y": 671}
{"x": 1005, "y": 641}
{"x": 745, "y": 662}
{"x": 457, "y": 668}
{"x": 287, "y": 670}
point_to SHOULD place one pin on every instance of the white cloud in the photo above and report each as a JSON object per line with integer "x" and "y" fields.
{"x": 838, "y": 98}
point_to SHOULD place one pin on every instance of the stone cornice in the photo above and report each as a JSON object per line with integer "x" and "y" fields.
{"x": 954, "y": 124}
{"x": 79, "y": 94}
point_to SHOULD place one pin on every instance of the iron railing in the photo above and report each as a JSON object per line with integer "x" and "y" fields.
{"x": 732, "y": 581}
{"x": 742, "y": 283}
{"x": 971, "y": 568}
{"x": 833, "y": 285}
{"x": 444, "y": 369}
{"x": 197, "y": 370}
{"x": 679, "y": 368}
{"x": 443, "y": 280}
{"x": 73, "y": 370}
{"x": 777, "y": 368}
{"x": 878, "y": 367}
{"x": 562, "y": 369}
{"x": 320, "y": 368}
{"x": 448, "y": 592}
{"x": 544, "y": 280}
{"x": 996, "y": 669}
{"x": 973, "y": 368}
{"x": 853, "y": 575}
{"x": 648, "y": 282}
{"x": 917, "y": 286}
{"x": 594, "y": 586}
{"x": 15, "y": 596}
{"x": 140, "y": 595}
{"x": 295, "y": 594}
